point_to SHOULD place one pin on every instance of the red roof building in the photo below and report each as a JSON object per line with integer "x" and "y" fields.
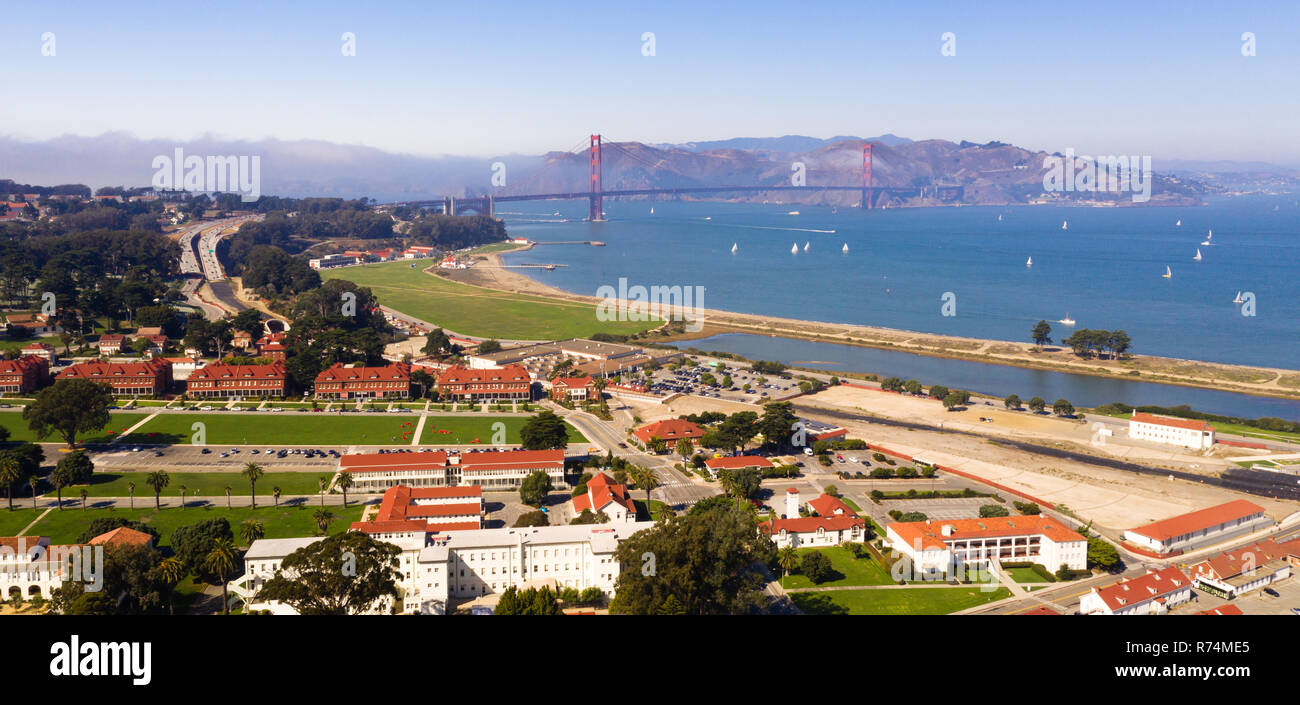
{"x": 575, "y": 389}
{"x": 110, "y": 343}
{"x": 222, "y": 380}
{"x": 41, "y": 350}
{"x": 737, "y": 462}
{"x": 939, "y": 546}
{"x": 504, "y": 470}
{"x": 24, "y": 375}
{"x": 670, "y": 431}
{"x": 388, "y": 382}
{"x": 1153, "y": 593}
{"x": 1223, "y": 610}
{"x": 149, "y": 378}
{"x": 815, "y": 531}
{"x": 1242, "y": 570}
{"x": 1188, "y": 433}
{"x": 424, "y": 509}
{"x": 605, "y": 496}
{"x": 123, "y": 536}
{"x": 508, "y": 382}
{"x": 1200, "y": 528}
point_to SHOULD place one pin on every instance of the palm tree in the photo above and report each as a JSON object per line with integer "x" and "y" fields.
{"x": 323, "y": 518}
{"x": 787, "y": 558}
{"x": 221, "y": 561}
{"x": 252, "y": 472}
{"x": 60, "y": 479}
{"x": 130, "y": 488}
{"x": 157, "y": 479}
{"x": 251, "y": 530}
{"x": 171, "y": 570}
{"x": 34, "y": 482}
{"x": 344, "y": 482}
{"x": 10, "y": 473}
{"x": 83, "y": 499}
{"x": 183, "y": 490}
{"x": 645, "y": 479}
{"x": 323, "y": 482}
{"x": 228, "y": 497}
{"x": 275, "y": 492}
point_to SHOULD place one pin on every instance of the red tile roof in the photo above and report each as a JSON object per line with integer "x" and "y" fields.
{"x": 116, "y": 370}
{"x": 1191, "y": 522}
{"x": 735, "y": 462}
{"x": 1156, "y": 584}
{"x": 381, "y": 462}
{"x": 122, "y": 536}
{"x": 274, "y": 371}
{"x": 398, "y": 372}
{"x": 463, "y": 375}
{"x": 808, "y": 525}
{"x": 1190, "y": 424}
{"x": 929, "y": 534}
{"x": 668, "y": 430}
{"x": 1223, "y": 610}
{"x": 571, "y": 382}
{"x": 601, "y": 492}
{"x": 827, "y": 505}
{"x": 1239, "y": 560}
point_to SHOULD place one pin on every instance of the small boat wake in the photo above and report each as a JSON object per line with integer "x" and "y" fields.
{"x": 773, "y": 227}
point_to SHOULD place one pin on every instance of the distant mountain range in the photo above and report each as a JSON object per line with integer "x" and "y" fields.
{"x": 991, "y": 173}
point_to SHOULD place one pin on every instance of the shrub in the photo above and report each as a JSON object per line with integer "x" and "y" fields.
{"x": 817, "y": 567}
{"x": 993, "y": 510}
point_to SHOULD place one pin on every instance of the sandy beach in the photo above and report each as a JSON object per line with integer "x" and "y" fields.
{"x": 488, "y": 272}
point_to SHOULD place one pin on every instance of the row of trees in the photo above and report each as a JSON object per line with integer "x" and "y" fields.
{"x": 1060, "y": 407}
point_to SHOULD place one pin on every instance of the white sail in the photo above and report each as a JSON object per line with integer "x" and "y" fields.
{"x": 1067, "y": 321}
{"x": 1029, "y": 262}
{"x": 805, "y": 246}
{"x": 1198, "y": 255}
{"x": 734, "y": 247}
{"x": 1168, "y": 273}
{"x": 999, "y": 217}
{"x": 652, "y": 210}
{"x": 845, "y": 249}
{"x": 1179, "y": 224}
{"x": 794, "y": 248}
{"x": 1065, "y": 225}
{"x": 1238, "y": 299}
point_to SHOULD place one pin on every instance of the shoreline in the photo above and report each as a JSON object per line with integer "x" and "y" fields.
{"x": 1278, "y": 383}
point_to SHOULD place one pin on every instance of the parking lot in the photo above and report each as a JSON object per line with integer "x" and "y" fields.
{"x": 939, "y": 509}
{"x": 687, "y": 381}
{"x": 1257, "y": 602}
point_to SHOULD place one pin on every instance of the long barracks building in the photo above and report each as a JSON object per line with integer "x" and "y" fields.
{"x": 492, "y": 470}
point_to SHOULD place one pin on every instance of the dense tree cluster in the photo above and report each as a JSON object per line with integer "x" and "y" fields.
{"x": 1087, "y": 342}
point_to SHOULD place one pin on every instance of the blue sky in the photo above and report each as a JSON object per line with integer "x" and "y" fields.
{"x": 485, "y": 78}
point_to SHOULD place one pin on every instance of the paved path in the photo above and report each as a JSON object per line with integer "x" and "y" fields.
{"x": 419, "y": 429}
{"x": 35, "y": 522}
{"x": 131, "y": 430}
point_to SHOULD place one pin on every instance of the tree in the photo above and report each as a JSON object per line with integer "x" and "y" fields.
{"x": 534, "y": 488}
{"x": 489, "y": 346}
{"x": 436, "y": 343}
{"x": 275, "y": 495}
{"x": 171, "y": 570}
{"x": 1037, "y": 405}
{"x": 1040, "y": 333}
{"x": 69, "y": 407}
{"x": 545, "y": 431}
{"x": 1061, "y": 407}
{"x": 183, "y": 489}
{"x": 993, "y": 510}
{"x": 157, "y": 480}
{"x": 130, "y": 488}
{"x": 193, "y": 542}
{"x": 1120, "y": 343}
{"x": 33, "y": 484}
{"x": 528, "y": 602}
{"x": 684, "y": 447}
{"x": 817, "y": 567}
{"x": 788, "y": 559}
{"x": 953, "y": 400}
{"x": 912, "y": 386}
{"x": 645, "y": 479}
{"x": 84, "y": 494}
{"x": 1101, "y": 554}
{"x": 1011, "y": 402}
{"x": 221, "y": 559}
{"x": 251, "y": 530}
{"x": 705, "y": 559}
{"x": 252, "y": 472}
{"x": 323, "y": 517}
{"x": 534, "y": 518}
{"x": 742, "y": 483}
{"x": 777, "y": 424}
{"x": 344, "y": 482}
{"x": 78, "y": 466}
{"x": 10, "y": 475}
{"x": 347, "y": 573}
{"x": 938, "y": 391}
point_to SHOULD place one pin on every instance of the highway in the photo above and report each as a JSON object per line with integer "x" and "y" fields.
{"x": 199, "y": 264}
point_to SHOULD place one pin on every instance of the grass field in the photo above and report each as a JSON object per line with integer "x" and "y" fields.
{"x": 282, "y": 522}
{"x": 118, "y": 421}
{"x": 327, "y": 429}
{"x": 902, "y": 601}
{"x": 1027, "y": 575}
{"x": 13, "y": 522}
{"x": 209, "y": 484}
{"x": 852, "y": 571}
{"x": 471, "y": 310}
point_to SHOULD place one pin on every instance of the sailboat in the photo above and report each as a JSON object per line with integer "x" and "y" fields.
{"x": 1065, "y": 225}
{"x": 845, "y": 249}
{"x": 999, "y": 217}
{"x": 652, "y": 210}
{"x": 708, "y": 217}
{"x": 1029, "y": 262}
{"x": 1238, "y": 300}
{"x": 793, "y": 213}
{"x": 734, "y": 247}
{"x": 1179, "y": 224}
{"x": 1208, "y": 238}
{"x": 794, "y": 248}
{"x": 1197, "y": 258}
{"x": 805, "y": 246}
{"x": 1067, "y": 321}
{"x": 1168, "y": 274}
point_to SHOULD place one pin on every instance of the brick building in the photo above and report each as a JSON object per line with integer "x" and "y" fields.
{"x": 24, "y": 375}
{"x": 508, "y": 382}
{"x": 149, "y": 378}
{"x": 222, "y": 380}
{"x": 388, "y": 382}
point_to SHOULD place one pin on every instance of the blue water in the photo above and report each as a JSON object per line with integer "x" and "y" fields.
{"x": 998, "y": 380}
{"x": 1104, "y": 272}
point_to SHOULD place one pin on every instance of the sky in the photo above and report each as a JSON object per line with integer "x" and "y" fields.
{"x": 1167, "y": 79}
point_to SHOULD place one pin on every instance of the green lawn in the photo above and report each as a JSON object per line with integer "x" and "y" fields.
{"x": 1026, "y": 575}
{"x": 288, "y": 428}
{"x": 902, "y": 601}
{"x": 853, "y": 571}
{"x": 652, "y": 510}
{"x": 852, "y": 505}
{"x": 282, "y": 522}
{"x": 118, "y": 422}
{"x": 13, "y": 522}
{"x": 471, "y": 310}
{"x": 459, "y": 430}
{"x": 209, "y": 484}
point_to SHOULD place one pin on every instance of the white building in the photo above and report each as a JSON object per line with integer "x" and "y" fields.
{"x": 439, "y": 568}
{"x": 835, "y": 525}
{"x": 941, "y": 547}
{"x": 1154, "y": 593}
{"x": 30, "y": 566}
{"x": 1187, "y": 433}
{"x": 491, "y": 470}
{"x": 1246, "y": 569}
{"x": 605, "y": 496}
{"x": 1200, "y": 528}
